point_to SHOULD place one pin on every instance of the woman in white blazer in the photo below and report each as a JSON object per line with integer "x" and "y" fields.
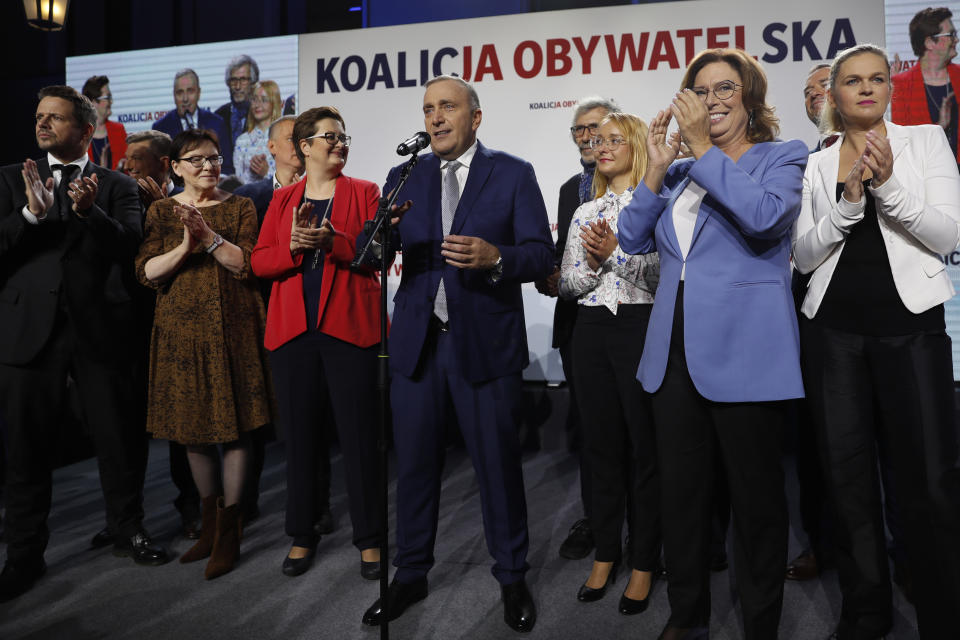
{"x": 879, "y": 208}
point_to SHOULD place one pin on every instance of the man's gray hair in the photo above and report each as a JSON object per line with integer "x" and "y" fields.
{"x": 471, "y": 92}
{"x": 185, "y": 72}
{"x": 159, "y": 141}
{"x": 817, "y": 67}
{"x": 239, "y": 61}
{"x": 273, "y": 124}
{"x": 594, "y": 102}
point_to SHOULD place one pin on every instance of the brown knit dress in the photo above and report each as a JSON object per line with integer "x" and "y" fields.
{"x": 209, "y": 376}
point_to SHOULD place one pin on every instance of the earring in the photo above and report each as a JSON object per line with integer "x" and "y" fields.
{"x": 750, "y": 121}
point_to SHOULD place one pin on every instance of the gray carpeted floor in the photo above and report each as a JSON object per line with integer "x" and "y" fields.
{"x": 90, "y": 594}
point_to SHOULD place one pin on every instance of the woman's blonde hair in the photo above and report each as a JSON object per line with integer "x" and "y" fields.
{"x": 830, "y": 119}
{"x": 634, "y": 131}
{"x": 276, "y": 102}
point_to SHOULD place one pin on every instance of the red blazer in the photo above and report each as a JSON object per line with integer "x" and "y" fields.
{"x": 349, "y": 300}
{"x": 117, "y": 137}
{"x": 908, "y": 106}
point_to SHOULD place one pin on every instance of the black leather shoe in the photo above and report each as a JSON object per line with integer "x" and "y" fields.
{"x": 589, "y": 594}
{"x": 18, "y": 578}
{"x": 298, "y": 566}
{"x": 684, "y": 633}
{"x": 631, "y": 607}
{"x": 401, "y": 595}
{"x": 324, "y": 523}
{"x": 579, "y": 542}
{"x": 519, "y": 612}
{"x": 102, "y": 539}
{"x": 370, "y": 570}
{"x": 141, "y": 549}
{"x": 803, "y": 567}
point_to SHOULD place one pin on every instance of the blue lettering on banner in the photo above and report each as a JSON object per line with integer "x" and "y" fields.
{"x": 951, "y": 260}
{"x": 126, "y": 118}
{"x": 361, "y": 66}
{"x": 802, "y": 40}
{"x": 352, "y": 73}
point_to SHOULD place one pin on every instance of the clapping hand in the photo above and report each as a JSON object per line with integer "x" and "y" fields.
{"x": 693, "y": 120}
{"x": 149, "y": 191}
{"x": 305, "y": 235}
{"x": 853, "y": 184}
{"x": 661, "y": 150}
{"x": 599, "y": 241}
{"x": 39, "y": 194}
{"x": 878, "y": 156}
{"x": 259, "y": 165}
{"x": 194, "y": 224}
{"x": 83, "y": 191}
{"x": 946, "y": 110}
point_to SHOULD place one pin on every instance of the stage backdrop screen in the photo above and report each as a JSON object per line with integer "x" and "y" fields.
{"x": 142, "y": 81}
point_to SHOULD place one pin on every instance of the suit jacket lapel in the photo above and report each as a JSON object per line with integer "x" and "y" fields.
{"x": 480, "y": 169}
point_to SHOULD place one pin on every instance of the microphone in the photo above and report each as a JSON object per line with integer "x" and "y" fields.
{"x": 414, "y": 144}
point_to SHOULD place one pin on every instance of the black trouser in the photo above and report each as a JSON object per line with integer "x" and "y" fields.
{"x": 574, "y": 426}
{"x": 618, "y": 435}
{"x": 748, "y": 435}
{"x": 896, "y": 393}
{"x": 32, "y": 400}
{"x": 301, "y": 369}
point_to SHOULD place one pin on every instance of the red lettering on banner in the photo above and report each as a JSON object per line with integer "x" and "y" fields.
{"x": 689, "y": 46}
{"x": 527, "y": 73}
{"x": 663, "y": 51}
{"x": 713, "y": 34}
{"x": 467, "y": 62}
{"x": 586, "y": 53}
{"x": 488, "y": 63}
{"x": 617, "y": 54}
{"x": 739, "y": 39}
{"x": 558, "y": 57}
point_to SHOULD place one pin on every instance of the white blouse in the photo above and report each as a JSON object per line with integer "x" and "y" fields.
{"x": 622, "y": 278}
{"x": 249, "y": 144}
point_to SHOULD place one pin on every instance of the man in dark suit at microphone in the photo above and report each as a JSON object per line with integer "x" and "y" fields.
{"x": 65, "y": 224}
{"x": 477, "y": 229}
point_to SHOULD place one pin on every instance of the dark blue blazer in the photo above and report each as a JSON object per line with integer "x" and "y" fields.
{"x": 501, "y": 203}
{"x": 170, "y": 124}
{"x": 261, "y": 192}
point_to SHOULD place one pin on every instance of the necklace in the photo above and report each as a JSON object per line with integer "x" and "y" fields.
{"x": 326, "y": 212}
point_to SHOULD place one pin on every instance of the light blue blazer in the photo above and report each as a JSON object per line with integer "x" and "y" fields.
{"x": 740, "y": 324}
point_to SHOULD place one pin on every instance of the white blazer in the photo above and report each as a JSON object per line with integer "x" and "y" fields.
{"x": 918, "y": 209}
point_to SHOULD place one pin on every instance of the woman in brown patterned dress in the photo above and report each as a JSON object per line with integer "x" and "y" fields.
{"x": 209, "y": 381}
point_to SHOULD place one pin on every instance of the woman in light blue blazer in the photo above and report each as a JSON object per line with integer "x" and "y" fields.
{"x": 880, "y": 206}
{"x": 721, "y": 352}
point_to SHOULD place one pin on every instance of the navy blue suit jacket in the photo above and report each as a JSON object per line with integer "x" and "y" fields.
{"x": 261, "y": 192}
{"x": 170, "y": 124}
{"x": 501, "y": 203}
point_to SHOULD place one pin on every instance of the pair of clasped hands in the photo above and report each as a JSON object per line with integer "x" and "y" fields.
{"x": 83, "y": 191}
{"x": 196, "y": 231}
{"x": 877, "y": 157}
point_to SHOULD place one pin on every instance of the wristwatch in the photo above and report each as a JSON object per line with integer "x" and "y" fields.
{"x": 496, "y": 271}
{"x": 217, "y": 241}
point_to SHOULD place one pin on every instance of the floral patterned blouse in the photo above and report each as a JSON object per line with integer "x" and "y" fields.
{"x": 622, "y": 278}
{"x": 249, "y": 144}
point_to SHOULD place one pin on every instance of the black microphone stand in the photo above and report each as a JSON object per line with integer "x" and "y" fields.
{"x": 380, "y": 226}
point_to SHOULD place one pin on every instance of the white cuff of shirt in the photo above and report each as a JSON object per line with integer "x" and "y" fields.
{"x": 32, "y": 219}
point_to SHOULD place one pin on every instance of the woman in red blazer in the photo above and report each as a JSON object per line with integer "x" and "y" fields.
{"x": 322, "y": 331}
{"x": 109, "y": 143}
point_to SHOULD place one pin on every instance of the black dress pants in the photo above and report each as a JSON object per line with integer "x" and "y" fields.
{"x": 690, "y": 429}
{"x": 896, "y": 393}
{"x": 32, "y": 398}
{"x": 618, "y": 435}
{"x": 302, "y": 368}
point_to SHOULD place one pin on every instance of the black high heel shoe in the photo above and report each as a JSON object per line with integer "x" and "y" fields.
{"x": 631, "y": 607}
{"x": 589, "y": 594}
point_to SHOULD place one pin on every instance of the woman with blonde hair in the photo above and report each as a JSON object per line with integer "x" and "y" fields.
{"x": 880, "y": 207}
{"x": 251, "y": 157}
{"x": 615, "y": 292}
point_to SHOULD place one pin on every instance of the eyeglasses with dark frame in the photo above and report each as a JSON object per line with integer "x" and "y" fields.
{"x": 580, "y": 128}
{"x": 723, "y": 90}
{"x": 332, "y": 138}
{"x": 198, "y": 161}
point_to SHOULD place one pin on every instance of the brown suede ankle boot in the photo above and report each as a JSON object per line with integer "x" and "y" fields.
{"x": 226, "y": 544}
{"x": 208, "y": 527}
